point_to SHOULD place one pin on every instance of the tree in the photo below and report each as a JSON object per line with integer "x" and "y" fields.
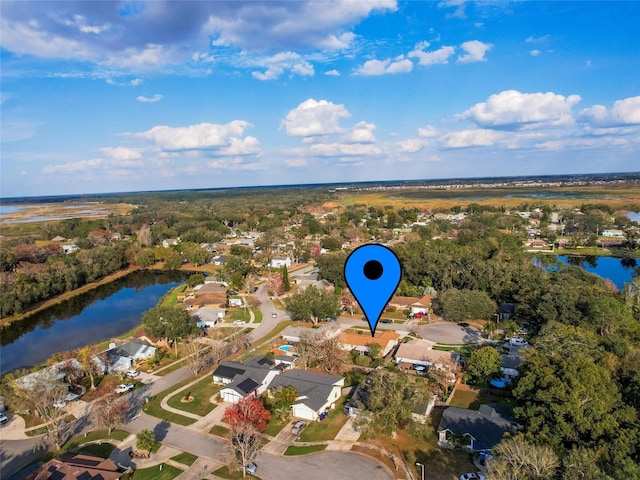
{"x": 195, "y": 279}
{"x": 283, "y": 398}
{"x": 388, "y": 400}
{"x": 581, "y": 464}
{"x": 86, "y": 359}
{"x": 483, "y": 365}
{"x": 312, "y": 304}
{"x": 170, "y": 323}
{"x": 197, "y": 350}
{"x": 375, "y": 352}
{"x": 286, "y": 286}
{"x": 516, "y": 459}
{"x": 331, "y": 267}
{"x": 110, "y": 411}
{"x": 246, "y": 419}
{"x": 459, "y": 305}
{"x": 145, "y": 440}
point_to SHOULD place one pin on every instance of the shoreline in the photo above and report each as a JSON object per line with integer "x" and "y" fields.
{"x": 50, "y": 302}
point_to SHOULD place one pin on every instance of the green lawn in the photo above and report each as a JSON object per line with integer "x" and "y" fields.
{"x": 157, "y": 472}
{"x": 153, "y": 406}
{"x": 295, "y": 450}
{"x": 185, "y": 458}
{"x": 257, "y": 315}
{"x": 102, "y": 450}
{"x": 95, "y": 435}
{"x": 472, "y": 398}
{"x": 237, "y": 314}
{"x": 174, "y": 366}
{"x": 219, "y": 431}
{"x": 223, "y": 472}
{"x": 463, "y": 350}
{"x": 326, "y": 429}
{"x": 274, "y": 426}
{"x": 171, "y": 298}
{"x": 201, "y": 393}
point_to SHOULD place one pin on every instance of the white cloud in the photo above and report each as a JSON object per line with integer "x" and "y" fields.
{"x": 281, "y": 62}
{"x": 427, "y": 131}
{"x": 343, "y": 149}
{"x": 623, "y": 112}
{"x": 73, "y": 167}
{"x": 156, "y": 98}
{"x": 388, "y": 66}
{"x": 121, "y": 153}
{"x": 471, "y": 138}
{"x": 296, "y": 162}
{"x": 411, "y": 145}
{"x": 313, "y": 118}
{"x": 475, "y": 51}
{"x": 220, "y": 139}
{"x": 332, "y": 73}
{"x": 340, "y": 42}
{"x": 363, "y": 133}
{"x": 234, "y": 164}
{"x": 534, "y": 53}
{"x": 512, "y": 109}
{"x": 459, "y": 6}
{"x": 433, "y": 57}
{"x": 135, "y": 82}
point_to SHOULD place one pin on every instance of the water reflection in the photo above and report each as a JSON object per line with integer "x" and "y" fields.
{"x": 99, "y": 314}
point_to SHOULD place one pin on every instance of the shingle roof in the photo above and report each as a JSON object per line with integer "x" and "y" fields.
{"x": 487, "y": 425}
{"x": 313, "y": 388}
{"x": 248, "y": 385}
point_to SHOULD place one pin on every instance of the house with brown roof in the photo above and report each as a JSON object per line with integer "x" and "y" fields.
{"x": 415, "y": 304}
{"x": 419, "y": 352}
{"x": 74, "y": 466}
{"x": 352, "y": 340}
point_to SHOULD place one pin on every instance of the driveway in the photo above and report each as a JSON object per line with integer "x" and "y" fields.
{"x": 321, "y": 466}
{"x": 450, "y": 334}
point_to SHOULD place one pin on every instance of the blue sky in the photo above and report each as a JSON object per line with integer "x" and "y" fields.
{"x": 122, "y": 96}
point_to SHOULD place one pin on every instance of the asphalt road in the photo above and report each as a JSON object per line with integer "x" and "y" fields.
{"x": 321, "y": 466}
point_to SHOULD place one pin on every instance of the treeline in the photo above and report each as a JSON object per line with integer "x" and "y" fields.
{"x": 59, "y": 273}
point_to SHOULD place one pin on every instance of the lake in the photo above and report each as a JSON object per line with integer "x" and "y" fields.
{"x": 634, "y": 216}
{"x": 6, "y": 209}
{"x": 100, "y": 314}
{"x": 618, "y": 270}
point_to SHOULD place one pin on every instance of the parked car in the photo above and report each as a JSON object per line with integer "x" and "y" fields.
{"x": 254, "y": 289}
{"x": 232, "y": 292}
{"x": 3, "y": 419}
{"x": 239, "y": 322}
{"x": 274, "y": 315}
{"x": 251, "y": 468}
{"x": 473, "y": 476}
{"x": 386, "y": 320}
{"x": 518, "y": 342}
{"x": 131, "y": 373}
{"x": 71, "y": 397}
{"x": 298, "y": 426}
{"x": 124, "y": 387}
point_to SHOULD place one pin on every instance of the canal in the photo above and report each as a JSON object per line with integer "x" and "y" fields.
{"x": 100, "y": 314}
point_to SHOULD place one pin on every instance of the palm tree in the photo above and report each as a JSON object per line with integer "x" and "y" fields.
{"x": 145, "y": 440}
{"x": 490, "y": 329}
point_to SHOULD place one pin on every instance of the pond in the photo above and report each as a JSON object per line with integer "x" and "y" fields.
{"x": 618, "y": 270}
{"x": 100, "y": 314}
{"x": 634, "y": 216}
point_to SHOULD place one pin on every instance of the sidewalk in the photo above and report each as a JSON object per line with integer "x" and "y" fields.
{"x": 214, "y": 417}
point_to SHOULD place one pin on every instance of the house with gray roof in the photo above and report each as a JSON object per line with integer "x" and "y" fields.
{"x": 250, "y": 378}
{"x": 317, "y": 392}
{"x": 121, "y": 358}
{"x": 482, "y": 429}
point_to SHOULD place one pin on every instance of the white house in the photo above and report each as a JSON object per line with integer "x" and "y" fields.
{"x": 235, "y": 302}
{"x": 419, "y": 352}
{"x": 317, "y": 393}
{"x": 279, "y": 262}
{"x": 121, "y": 358}
{"x": 250, "y": 378}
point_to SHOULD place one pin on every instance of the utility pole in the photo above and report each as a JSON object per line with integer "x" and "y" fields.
{"x": 418, "y": 464}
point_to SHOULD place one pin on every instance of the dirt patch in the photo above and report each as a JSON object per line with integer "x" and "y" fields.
{"x": 371, "y": 452}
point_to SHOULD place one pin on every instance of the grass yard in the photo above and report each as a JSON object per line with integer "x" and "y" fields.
{"x": 469, "y": 397}
{"x": 257, "y": 315}
{"x": 171, "y": 298}
{"x": 185, "y": 458}
{"x": 93, "y": 436}
{"x": 219, "y": 431}
{"x": 304, "y": 450}
{"x": 223, "y": 472}
{"x": 442, "y": 464}
{"x": 170, "y": 367}
{"x": 275, "y": 426}
{"x": 463, "y": 350}
{"x": 153, "y": 406}
{"x": 102, "y": 450}
{"x": 237, "y": 313}
{"x": 202, "y": 393}
{"x": 326, "y": 429}
{"x": 157, "y": 472}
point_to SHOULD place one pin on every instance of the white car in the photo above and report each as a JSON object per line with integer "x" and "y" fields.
{"x": 131, "y": 373}
{"x": 3, "y": 419}
{"x": 473, "y": 476}
{"x": 124, "y": 387}
{"x": 274, "y": 315}
{"x": 239, "y": 322}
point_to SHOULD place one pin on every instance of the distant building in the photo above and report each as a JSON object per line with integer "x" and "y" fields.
{"x": 279, "y": 262}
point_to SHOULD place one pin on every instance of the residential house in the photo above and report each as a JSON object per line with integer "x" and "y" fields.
{"x": 351, "y": 340}
{"x": 209, "y": 316}
{"x": 67, "y": 249}
{"x": 421, "y": 413}
{"x": 250, "y": 378}
{"x": 76, "y": 466}
{"x": 481, "y": 429}
{"x": 150, "y": 339}
{"x": 317, "y": 392}
{"x": 170, "y": 242}
{"x": 510, "y": 364}
{"x": 612, "y": 233}
{"x": 53, "y": 375}
{"x": 210, "y": 287}
{"x": 507, "y": 310}
{"x": 422, "y": 305}
{"x": 219, "y": 260}
{"x": 235, "y": 302}
{"x": 58, "y": 238}
{"x": 122, "y": 358}
{"x": 402, "y": 303}
{"x": 292, "y": 334}
{"x": 279, "y": 262}
{"x": 419, "y": 352}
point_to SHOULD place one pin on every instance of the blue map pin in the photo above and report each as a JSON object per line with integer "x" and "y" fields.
{"x": 372, "y": 273}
